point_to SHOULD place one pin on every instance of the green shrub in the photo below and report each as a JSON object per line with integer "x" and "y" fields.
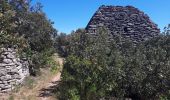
{"x": 39, "y": 60}
{"x": 103, "y": 69}
{"x": 28, "y": 30}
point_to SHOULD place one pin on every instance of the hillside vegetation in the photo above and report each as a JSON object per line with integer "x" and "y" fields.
{"x": 95, "y": 68}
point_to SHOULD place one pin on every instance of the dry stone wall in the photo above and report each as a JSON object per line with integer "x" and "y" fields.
{"x": 13, "y": 70}
{"x": 127, "y": 21}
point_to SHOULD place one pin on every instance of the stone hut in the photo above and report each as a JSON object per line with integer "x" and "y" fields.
{"x": 128, "y": 21}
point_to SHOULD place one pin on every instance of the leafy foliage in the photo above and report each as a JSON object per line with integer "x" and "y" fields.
{"x": 61, "y": 43}
{"x": 97, "y": 67}
{"x": 27, "y": 28}
{"x": 7, "y": 36}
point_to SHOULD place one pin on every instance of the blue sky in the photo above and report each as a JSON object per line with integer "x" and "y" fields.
{"x": 70, "y": 15}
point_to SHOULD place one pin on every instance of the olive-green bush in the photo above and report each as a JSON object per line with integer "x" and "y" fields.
{"x": 26, "y": 28}
{"x": 106, "y": 69}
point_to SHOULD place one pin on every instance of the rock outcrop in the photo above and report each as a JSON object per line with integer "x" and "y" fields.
{"x": 13, "y": 70}
{"x": 127, "y": 21}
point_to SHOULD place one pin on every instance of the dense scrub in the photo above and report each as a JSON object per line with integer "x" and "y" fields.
{"x": 96, "y": 68}
{"x": 26, "y": 28}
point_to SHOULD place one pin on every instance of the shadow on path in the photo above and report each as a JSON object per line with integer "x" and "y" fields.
{"x": 49, "y": 91}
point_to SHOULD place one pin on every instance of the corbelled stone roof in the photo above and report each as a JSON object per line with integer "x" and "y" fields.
{"x": 127, "y": 21}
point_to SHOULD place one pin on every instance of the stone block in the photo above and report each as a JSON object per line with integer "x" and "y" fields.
{"x": 7, "y": 61}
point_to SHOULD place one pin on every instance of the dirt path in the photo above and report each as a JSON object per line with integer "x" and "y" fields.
{"x": 38, "y": 88}
{"x": 45, "y": 93}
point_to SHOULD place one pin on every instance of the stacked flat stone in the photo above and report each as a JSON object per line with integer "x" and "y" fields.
{"x": 13, "y": 70}
{"x": 127, "y": 21}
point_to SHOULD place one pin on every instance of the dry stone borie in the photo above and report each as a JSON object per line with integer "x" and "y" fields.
{"x": 128, "y": 21}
